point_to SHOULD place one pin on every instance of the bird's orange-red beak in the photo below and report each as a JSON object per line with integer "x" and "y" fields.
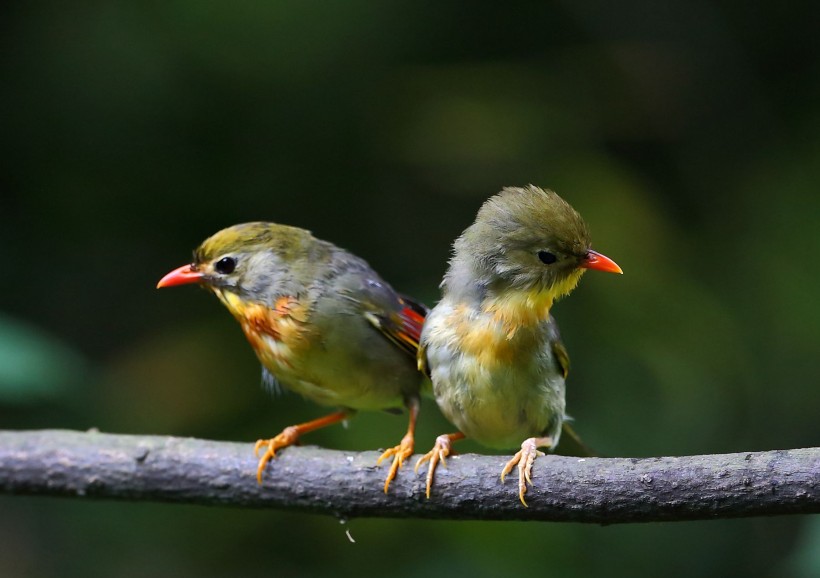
{"x": 181, "y": 276}
{"x": 595, "y": 260}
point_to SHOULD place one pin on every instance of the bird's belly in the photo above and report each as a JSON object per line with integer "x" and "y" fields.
{"x": 497, "y": 405}
{"x": 334, "y": 376}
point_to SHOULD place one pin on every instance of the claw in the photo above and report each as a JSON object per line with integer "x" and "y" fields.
{"x": 405, "y": 448}
{"x": 399, "y": 453}
{"x": 439, "y": 453}
{"x": 288, "y": 437}
{"x": 524, "y": 460}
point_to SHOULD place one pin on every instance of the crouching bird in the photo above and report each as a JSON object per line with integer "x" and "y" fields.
{"x": 321, "y": 321}
{"x": 490, "y": 346}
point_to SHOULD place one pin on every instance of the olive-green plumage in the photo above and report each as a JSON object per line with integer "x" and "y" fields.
{"x": 321, "y": 321}
{"x": 490, "y": 345}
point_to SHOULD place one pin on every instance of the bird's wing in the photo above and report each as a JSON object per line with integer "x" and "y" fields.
{"x": 423, "y": 364}
{"x": 403, "y": 325}
{"x": 559, "y": 352}
{"x": 561, "y": 356}
{"x": 576, "y": 446}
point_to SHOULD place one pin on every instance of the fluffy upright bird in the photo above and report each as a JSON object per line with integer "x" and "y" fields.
{"x": 321, "y": 321}
{"x": 490, "y": 346}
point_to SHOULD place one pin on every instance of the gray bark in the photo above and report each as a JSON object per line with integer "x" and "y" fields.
{"x": 349, "y": 484}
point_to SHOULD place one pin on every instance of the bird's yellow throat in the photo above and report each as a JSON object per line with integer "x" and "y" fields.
{"x": 517, "y": 308}
{"x": 231, "y": 301}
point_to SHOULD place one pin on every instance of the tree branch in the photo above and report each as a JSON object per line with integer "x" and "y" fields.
{"x": 348, "y": 484}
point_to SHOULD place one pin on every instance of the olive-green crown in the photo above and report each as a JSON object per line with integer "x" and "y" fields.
{"x": 249, "y": 237}
{"x": 522, "y": 214}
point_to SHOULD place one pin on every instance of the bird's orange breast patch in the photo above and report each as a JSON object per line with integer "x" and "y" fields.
{"x": 276, "y": 333}
{"x": 482, "y": 337}
{"x": 485, "y": 337}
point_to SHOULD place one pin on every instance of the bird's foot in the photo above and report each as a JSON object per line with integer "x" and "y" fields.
{"x": 438, "y": 454}
{"x": 524, "y": 459}
{"x": 288, "y": 437}
{"x": 399, "y": 453}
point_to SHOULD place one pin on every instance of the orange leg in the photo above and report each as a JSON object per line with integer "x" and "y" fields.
{"x": 290, "y": 435}
{"x": 405, "y": 448}
{"x": 524, "y": 458}
{"x": 439, "y": 452}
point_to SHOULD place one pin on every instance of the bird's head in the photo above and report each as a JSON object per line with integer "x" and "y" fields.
{"x": 251, "y": 262}
{"x": 526, "y": 243}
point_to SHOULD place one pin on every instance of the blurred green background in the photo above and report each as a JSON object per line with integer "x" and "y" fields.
{"x": 687, "y": 134}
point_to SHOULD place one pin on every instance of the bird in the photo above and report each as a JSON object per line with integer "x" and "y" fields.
{"x": 490, "y": 345}
{"x": 322, "y": 323}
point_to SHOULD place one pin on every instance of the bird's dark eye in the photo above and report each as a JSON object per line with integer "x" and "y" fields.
{"x": 547, "y": 258}
{"x": 225, "y": 265}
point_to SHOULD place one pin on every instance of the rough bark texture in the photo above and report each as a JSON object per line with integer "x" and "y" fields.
{"x": 348, "y": 484}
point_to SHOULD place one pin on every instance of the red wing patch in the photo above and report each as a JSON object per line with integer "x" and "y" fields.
{"x": 402, "y": 328}
{"x": 411, "y": 324}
